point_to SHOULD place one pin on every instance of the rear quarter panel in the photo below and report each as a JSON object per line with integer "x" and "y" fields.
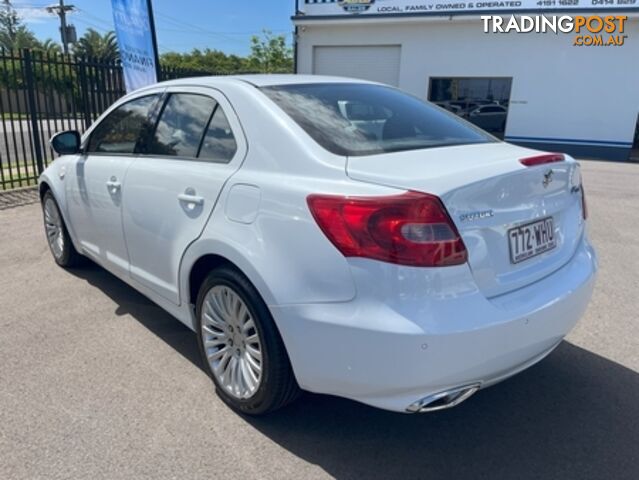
{"x": 280, "y": 247}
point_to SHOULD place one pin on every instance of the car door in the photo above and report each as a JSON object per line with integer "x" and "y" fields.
{"x": 94, "y": 188}
{"x": 171, "y": 190}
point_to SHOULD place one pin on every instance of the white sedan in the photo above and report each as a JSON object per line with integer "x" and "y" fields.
{"x": 328, "y": 234}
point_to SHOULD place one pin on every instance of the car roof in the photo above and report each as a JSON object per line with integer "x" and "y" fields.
{"x": 262, "y": 80}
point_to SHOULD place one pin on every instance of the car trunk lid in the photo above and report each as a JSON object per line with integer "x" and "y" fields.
{"x": 488, "y": 192}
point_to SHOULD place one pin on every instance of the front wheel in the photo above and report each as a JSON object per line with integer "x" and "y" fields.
{"x": 240, "y": 345}
{"x": 60, "y": 244}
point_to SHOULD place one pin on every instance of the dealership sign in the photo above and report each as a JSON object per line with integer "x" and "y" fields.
{"x": 135, "y": 40}
{"x": 407, "y": 7}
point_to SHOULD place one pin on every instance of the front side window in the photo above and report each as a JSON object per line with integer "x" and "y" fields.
{"x": 357, "y": 119}
{"x": 181, "y": 126}
{"x": 122, "y": 129}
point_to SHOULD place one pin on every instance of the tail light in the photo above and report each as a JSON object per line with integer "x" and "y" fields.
{"x": 542, "y": 159}
{"x": 408, "y": 229}
{"x": 584, "y": 206}
{"x": 577, "y": 185}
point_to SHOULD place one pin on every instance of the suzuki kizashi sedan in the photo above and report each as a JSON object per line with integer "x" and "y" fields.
{"x": 327, "y": 234}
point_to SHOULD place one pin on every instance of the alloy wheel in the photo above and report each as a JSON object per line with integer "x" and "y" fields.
{"x": 231, "y": 342}
{"x": 54, "y": 228}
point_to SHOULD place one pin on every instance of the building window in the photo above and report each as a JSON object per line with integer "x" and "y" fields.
{"x": 481, "y": 100}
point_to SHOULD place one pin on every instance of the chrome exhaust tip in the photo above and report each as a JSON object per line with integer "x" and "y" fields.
{"x": 443, "y": 400}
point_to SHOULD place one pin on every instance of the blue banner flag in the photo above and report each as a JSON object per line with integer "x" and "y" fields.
{"x": 133, "y": 29}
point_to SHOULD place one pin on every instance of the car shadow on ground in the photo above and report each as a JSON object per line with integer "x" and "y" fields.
{"x": 575, "y": 415}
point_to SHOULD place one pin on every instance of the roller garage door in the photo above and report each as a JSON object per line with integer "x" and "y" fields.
{"x": 379, "y": 63}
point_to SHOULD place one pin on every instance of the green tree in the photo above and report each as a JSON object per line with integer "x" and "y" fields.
{"x": 270, "y": 54}
{"x": 13, "y": 34}
{"x": 206, "y": 61}
{"x": 94, "y": 45}
{"x": 51, "y": 47}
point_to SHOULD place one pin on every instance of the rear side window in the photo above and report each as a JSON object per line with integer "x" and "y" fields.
{"x": 181, "y": 125}
{"x": 219, "y": 143}
{"x": 357, "y": 119}
{"x": 122, "y": 129}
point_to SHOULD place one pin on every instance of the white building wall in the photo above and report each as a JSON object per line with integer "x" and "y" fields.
{"x": 379, "y": 63}
{"x": 559, "y": 91}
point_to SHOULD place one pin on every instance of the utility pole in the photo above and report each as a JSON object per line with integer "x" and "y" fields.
{"x": 61, "y": 11}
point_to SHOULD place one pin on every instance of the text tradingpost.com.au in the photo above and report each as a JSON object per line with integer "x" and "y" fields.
{"x": 593, "y": 30}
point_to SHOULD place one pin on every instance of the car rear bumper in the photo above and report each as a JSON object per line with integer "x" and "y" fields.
{"x": 425, "y": 333}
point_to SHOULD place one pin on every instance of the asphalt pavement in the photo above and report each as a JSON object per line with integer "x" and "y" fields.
{"x": 96, "y": 382}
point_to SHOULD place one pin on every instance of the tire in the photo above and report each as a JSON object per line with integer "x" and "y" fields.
{"x": 58, "y": 239}
{"x": 228, "y": 340}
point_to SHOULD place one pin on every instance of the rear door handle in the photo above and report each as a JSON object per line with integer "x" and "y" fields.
{"x": 193, "y": 199}
{"x": 113, "y": 185}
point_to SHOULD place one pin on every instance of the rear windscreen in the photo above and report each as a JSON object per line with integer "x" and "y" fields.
{"x": 364, "y": 119}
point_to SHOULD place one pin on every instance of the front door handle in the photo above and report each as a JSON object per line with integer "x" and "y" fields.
{"x": 191, "y": 198}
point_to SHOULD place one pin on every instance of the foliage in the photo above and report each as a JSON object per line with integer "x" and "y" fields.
{"x": 71, "y": 79}
{"x": 206, "y": 61}
{"x": 270, "y": 54}
{"x": 51, "y": 47}
{"x": 13, "y": 34}
{"x": 101, "y": 47}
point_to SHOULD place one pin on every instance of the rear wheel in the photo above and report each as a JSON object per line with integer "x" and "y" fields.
{"x": 240, "y": 345}
{"x": 62, "y": 249}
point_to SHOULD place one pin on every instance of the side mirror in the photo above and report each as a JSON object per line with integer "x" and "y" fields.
{"x": 66, "y": 143}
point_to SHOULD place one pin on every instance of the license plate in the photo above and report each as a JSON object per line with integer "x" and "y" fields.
{"x": 532, "y": 239}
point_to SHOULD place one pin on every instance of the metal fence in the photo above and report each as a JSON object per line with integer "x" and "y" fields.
{"x": 43, "y": 93}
